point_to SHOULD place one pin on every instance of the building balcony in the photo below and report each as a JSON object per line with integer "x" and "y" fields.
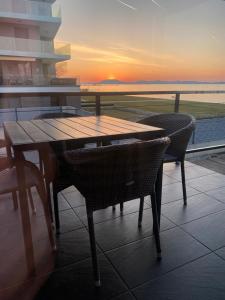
{"x": 37, "y": 81}
{"x": 33, "y": 8}
{"x": 37, "y": 49}
{"x": 46, "y": 15}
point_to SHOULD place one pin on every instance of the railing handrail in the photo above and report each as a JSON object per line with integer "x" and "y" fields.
{"x": 68, "y": 91}
{"x": 8, "y": 91}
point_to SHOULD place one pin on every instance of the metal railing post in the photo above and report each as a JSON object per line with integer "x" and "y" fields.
{"x": 16, "y": 113}
{"x": 193, "y": 136}
{"x": 177, "y": 103}
{"x": 98, "y": 105}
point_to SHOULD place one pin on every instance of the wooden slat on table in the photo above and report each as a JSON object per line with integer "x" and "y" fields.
{"x": 66, "y": 129}
{"x": 124, "y": 128}
{"x": 81, "y": 128}
{"x": 51, "y": 131}
{"x": 122, "y": 125}
{"x": 16, "y": 133}
{"x": 138, "y": 125}
{"x": 104, "y": 124}
{"x": 34, "y": 132}
{"x": 83, "y": 121}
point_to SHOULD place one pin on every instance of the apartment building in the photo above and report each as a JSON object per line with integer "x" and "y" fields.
{"x": 28, "y": 52}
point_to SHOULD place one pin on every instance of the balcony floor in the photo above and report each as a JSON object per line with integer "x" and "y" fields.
{"x": 192, "y": 237}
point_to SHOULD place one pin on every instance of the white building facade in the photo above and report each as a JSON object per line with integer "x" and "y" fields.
{"x": 28, "y": 53}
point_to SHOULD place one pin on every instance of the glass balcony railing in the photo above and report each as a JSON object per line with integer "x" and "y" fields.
{"x": 33, "y": 48}
{"x": 31, "y": 8}
{"x": 36, "y": 80}
{"x": 62, "y": 48}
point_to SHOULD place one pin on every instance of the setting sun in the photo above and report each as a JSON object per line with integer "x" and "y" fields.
{"x": 111, "y": 77}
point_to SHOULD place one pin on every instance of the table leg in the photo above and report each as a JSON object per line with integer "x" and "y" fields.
{"x": 25, "y": 216}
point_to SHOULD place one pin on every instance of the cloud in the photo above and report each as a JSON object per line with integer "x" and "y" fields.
{"x": 125, "y": 48}
{"x": 122, "y": 54}
{"x": 126, "y": 5}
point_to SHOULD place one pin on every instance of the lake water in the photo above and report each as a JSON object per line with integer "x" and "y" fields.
{"x": 215, "y": 98}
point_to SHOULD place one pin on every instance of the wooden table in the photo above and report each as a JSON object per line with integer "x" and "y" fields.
{"x": 30, "y": 135}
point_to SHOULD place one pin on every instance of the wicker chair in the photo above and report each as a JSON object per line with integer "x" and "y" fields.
{"x": 178, "y": 127}
{"x": 51, "y": 161}
{"x": 105, "y": 176}
{"x": 6, "y": 162}
{"x": 33, "y": 178}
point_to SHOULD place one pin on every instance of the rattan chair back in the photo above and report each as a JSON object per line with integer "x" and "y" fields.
{"x": 178, "y": 127}
{"x": 109, "y": 175}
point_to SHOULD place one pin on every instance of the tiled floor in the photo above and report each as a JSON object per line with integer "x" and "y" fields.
{"x": 192, "y": 237}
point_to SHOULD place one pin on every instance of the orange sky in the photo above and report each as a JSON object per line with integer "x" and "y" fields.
{"x": 143, "y": 40}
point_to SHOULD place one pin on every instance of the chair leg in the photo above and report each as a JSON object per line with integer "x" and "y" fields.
{"x": 183, "y": 182}
{"x": 93, "y": 249}
{"x": 56, "y": 209}
{"x": 31, "y": 200}
{"x": 141, "y": 207}
{"x": 156, "y": 224}
{"x": 15, "y": 200}
{"x": 121, "y": 207}
{"x": 44, "y": 199}
{"x": 113, "y": 208}
{"x": 41, "y": 163}
{"x": 47, "y": 186}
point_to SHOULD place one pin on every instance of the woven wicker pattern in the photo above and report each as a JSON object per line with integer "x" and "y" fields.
{"x": 178, "y": 127}
{"x": 109, "y": 175}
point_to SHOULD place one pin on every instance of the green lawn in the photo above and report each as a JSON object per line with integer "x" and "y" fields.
{"x": 131, "y": 110}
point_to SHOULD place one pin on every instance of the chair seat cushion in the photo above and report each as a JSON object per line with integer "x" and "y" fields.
{"x": 169, "y": 158}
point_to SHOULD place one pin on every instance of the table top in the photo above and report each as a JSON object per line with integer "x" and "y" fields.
{"x": 87, "y": 129}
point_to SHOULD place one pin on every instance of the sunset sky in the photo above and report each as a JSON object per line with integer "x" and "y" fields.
{"x": 144, "y": 39}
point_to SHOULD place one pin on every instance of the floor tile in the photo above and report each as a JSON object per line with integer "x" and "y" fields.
{"x": 72, "y": 247}
{"x": 126, "y": 296}
{"x": 174, "y": 192}
{"x": 167, "y": 167}
{"x": 208, "y": 182}
{"x": 108, "y": 213}
{"x": 123, "y": 230}
{"x": 69, "y": 221}
{"x": 74, "y": 199}
{"x": 201, "y": 279}
{"x": 221, "y": 252}
{"x": 76, "y": 282}
{"x": 168, "y": 179}
{"x": 63, "y": 204}
{"x": 137, "y": 262}
{"x": 198, "y": 206}
{"x": 190, "y": 173}
{"x": 209, "y": 230}
{"x": 70, "y": 189}
{"x": 219, "y": 194}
